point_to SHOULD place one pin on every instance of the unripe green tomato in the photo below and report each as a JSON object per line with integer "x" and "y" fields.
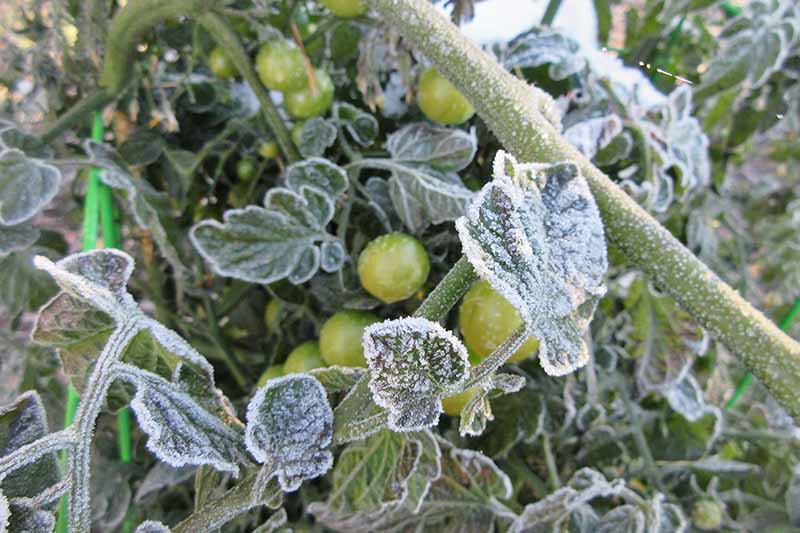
{"x": 440, "y": 100}
{"x": 281, "y": 67}
{"x": 340, "y": 338}
{"x": 220, "y": 64}
{"x": 268, "y": 150}
{"x": 272, "y": 314}
{"x": 275, "y": 371}
{"x": 303, "y": 358}
{"x": 707, "y": 515}
{"x": 308, "y": 102}
{"x": 487, "y": 319}
{"x": 345, "y": 8}
{"x": 454, "y": 404}
{"x": 297, "y": 130}
{"x": 246, "y": 169}
{"x": 393, "y": 267}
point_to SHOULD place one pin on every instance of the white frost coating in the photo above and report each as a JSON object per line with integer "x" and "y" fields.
{"x": 152, "y": 526}
{"x": 98, "y": 276}
{"x": 478, "y": 411}
{"x": 592, "y": 135}
{"x": 361, "y": 125}
{"x": 277, "y": 241}
{"x": 26, "y": 186}
{"x": 176, "y": 344}
{"x": 446, "y": 149}
{"x": 535, "y": 234}
{"x": 414, "y": 363}
{"x": 289, "y": 425}
{"x": 181, "y": 432}
{"x": 476, "y": 464}
{"x": 316, "y": 135}
{"x": 5, "y": 513}
{"x": 318, "y": 173}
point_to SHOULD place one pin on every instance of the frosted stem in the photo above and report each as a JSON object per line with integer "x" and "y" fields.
{"x": 32, "y": 452}
{"x": 497, "y": 358}
{"x": 516, "y": 113}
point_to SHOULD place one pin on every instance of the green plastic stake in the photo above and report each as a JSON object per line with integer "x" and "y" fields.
{"x": 98, "y": 211}
{"x": 744, "y": 384}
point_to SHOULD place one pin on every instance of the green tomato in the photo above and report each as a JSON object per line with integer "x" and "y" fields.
{"x": 281, "y": 67}
{"x": 346, "y": 8}
{"x": 487, "y": 319}
{"x": 220, "y": 64}
{"x": 340, "y": 338}
{"x": 707, "y": 515}
{"x": 272, "y": 314}
{"x": 246, "y": 169}
{"x": 275, "y": 371}
{"x": 268, "y": 150}
{"x": 393, "y": 267}
{"x": 303, "y": 358}
{"x": 308, "y": 102}
{"x": 440, "y": 100}
{"x": 454, "y": 404}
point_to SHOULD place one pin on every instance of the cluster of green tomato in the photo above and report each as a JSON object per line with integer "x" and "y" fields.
{"x": 392, "y": 268}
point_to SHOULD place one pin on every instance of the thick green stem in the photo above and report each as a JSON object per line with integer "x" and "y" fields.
{"x": 550, "y": 12}
{"x": 447, "y": 293}
{"x": 517, "y": 113}
{"x": 229, "y": 40}
{"x": 78, "y": 113}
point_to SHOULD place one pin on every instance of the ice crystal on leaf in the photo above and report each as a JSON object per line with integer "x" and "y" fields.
{"x": 414, "y": 363}
{"x": 289, "y": 427}
{"x": 535, "y": 234}
{"x": 152, "y": 526}
{"x": 279, "y": 240}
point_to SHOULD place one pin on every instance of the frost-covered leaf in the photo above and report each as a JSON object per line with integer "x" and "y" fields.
{"x": 423, "y": 196}
{"x": 360, "y": 124}
{"x": 664, "y": 517}
{"x": 143, "y": 147}
{"x": 289, "y": 425}
{"x": 755, "y": 45}
{"x": 509, "y": 428}
{"x": 23, "y": 287}
{"x": 623, "y": 519}
{"x": 21, "y": 423}
{"x": 5, "y": 512}
{"x": 28, "y": 519}
{"x": 555, "y": 508}
{"x": 98, "y": 277}
{"x": 181, "y": 429}
{"x": 593, "y": 134}
{"x": 538, "y": 239}
{"x": 545, "y": 46}
{"x": 162, "y": 476}
{"x": 338, "y": 378}
{"x": 14, "y": 238}
{"x": 13, "y": 137}
{"x": 26, "y": 186}
{"x": 318, "y": 173}
{"x": 414, "y": 363}
{"x": 478, "y": 411}
{"x": 445, "y": 149}
{"x": 316, "y": 136}
{"x": 152, "y": 526}
{"x": 270, "y": 243}
{"x": 686, "y": 397}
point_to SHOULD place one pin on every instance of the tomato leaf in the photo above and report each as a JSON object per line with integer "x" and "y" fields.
{"x": 361, "y": 125}
{"x": 478, "y": 411}
{"x": 445, "y": 149}
{"x": 316, "y": 136}
{"x": 289, "y": 427}
{"x": 15, "y": 238}
{"x": 26, "y": 186}
{"x": 538, "y": 239}
{"x": 545, "y": 46}
{"x": 414, "y": 363}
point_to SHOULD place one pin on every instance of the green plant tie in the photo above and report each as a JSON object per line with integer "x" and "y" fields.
{"x": 744, "y": 384}
{"x": 98, "y": 212}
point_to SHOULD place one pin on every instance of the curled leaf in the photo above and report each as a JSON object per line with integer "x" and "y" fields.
{"x": 535, "y": 234}
{"x": 360, "y": 124}
{"x": 414, "y": 363}
{"x": 289, "y": 425}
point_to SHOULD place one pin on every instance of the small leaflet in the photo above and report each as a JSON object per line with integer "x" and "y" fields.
{"x": 445, "y": 149}
{"x": 478, "y": 411}
{"x": 181, "y": 431}
{"x": 627, "y": 518}
{"x": 26, "y": 186}
{"x": 152, "y": 526}
{"x": 28, "y": 519}
{"x": 545, "y": 46}
{"x": 316, "y": 136}
{"x": 15, "y": 238}
{"x": 592, "y": 135}
{"x": 362, "y": 126}
{"x": 280, "y": 240}
{"x": 289, "y": 426}
{"x": 414, "y": 363}
{"x": 536, "y": 235}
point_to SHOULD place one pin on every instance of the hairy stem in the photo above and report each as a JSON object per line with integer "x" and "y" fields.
{"x": 77, "y": 113}
{"x": 521, "y": 117}
{"x": 448, "y": 292}
{"x": 229, "y": 40}
{"x": 32, "y": 452}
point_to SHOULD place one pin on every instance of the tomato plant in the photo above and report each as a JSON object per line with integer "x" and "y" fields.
{"x": 250, "y": 253}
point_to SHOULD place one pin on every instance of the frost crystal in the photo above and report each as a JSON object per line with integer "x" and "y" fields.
{"x": 289, "y": 425}
{"x": 535, "y": 234}
{"x": 152, "y": 526}
{"x": 414, "y": 363}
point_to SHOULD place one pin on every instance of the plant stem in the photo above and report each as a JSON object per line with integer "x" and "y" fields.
{"x": 515, "y": 112}
{"x": 77, "y": 113}
{"x": 229, "y": 40}
{"x": 448, "y": 292}
{"x": 231, "y": 361}
{"x": 550, "y": 461}
{"x": 550, "y": 12}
